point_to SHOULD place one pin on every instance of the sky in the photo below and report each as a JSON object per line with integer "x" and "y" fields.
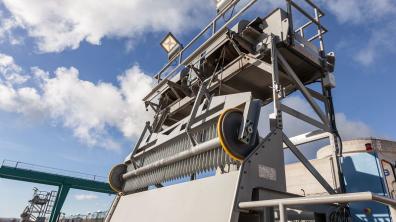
{"x": 73, "y": 73}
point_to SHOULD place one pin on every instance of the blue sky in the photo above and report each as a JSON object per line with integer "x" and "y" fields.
{"x": 72, "y": 74}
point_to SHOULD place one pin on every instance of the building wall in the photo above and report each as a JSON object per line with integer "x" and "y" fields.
{"x": 300, "y": 181}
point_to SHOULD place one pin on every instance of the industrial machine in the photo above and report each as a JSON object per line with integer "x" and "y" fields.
{"x": 205, "y": 124}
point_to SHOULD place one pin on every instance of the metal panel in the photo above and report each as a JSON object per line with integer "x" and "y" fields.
{"x": 209, "y": 199}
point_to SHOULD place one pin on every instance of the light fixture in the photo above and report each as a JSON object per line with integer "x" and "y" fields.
{"x": 221, "y": 5}
{"x": 171, "y": 45}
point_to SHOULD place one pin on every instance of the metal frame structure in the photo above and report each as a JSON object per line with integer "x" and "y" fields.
{"x": 326, "y": 123}
{"x": 189, "y": 100}
{"x": 212, "y": 26}
{"x": 39, "y": 206}
{"x": 19, "y": 171}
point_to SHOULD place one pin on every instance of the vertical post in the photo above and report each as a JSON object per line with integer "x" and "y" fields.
{"x": 214, "y": 26}
{"x": 302, "y": 32}
{"x": 320, "y": 31}
{"x": 276, "y": 118}
{"x": 290, "y": 17}
{"x": 59, "y": 201}
{"x": 282, "y": 213}
{"x": 329, "y": 107}
{"x": 267, "y": 214}
{"x": 275, "y": 74}
{"x": 334, "y": 140}
{"x": 180, "y": 56}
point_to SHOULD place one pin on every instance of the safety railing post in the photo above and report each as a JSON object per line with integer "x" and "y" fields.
{"x": 320, "y": 31}
{"x": 282, "y": 213}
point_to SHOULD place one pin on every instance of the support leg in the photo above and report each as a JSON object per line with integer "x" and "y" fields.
{"x": 59, "y": 201}
{"x": 282, "y": 213}
{"x": 267, "y": 215}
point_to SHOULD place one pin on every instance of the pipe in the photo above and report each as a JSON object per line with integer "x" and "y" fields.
{"x": 335, "y": 198}
{"x": 198, "y": 149}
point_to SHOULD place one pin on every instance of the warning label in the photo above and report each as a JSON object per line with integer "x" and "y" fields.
{"x": 266, "y": 172}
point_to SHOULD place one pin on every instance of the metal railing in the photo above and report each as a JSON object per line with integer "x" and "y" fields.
{"x": 312, "y": 20}
{"x": 214, "y": 33}
{"x": 282, "y": 204}
{"x": 52, "y": 170}
{"x": 179, "y": 57}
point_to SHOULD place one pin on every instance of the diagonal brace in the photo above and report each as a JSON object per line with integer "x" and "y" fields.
{"x": 308, "y": 165}
{"x": 302, "y": 88}
{"x": 304, "y": 117}
{"x": 201, "y": 93}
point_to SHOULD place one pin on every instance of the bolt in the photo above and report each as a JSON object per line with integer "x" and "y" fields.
{"x": 250, "y": 129}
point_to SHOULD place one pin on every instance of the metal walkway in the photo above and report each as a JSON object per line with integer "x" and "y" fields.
{"x": 63, "y": 179}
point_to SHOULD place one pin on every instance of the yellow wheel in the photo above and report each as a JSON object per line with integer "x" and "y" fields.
{"x": 115, "y": 177}
{"x": 228, "y": 127}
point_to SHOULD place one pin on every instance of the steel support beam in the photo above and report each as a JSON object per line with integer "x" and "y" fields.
{"x": 51, "y": 179}
{"x": 308, "y": 165}
{"x": 308, "y": 137}
{"x": 304, "y": 117}
{"x": 63, "y": 190}
{"x": 302, "y": 88}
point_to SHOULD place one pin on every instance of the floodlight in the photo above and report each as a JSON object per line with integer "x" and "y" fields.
{"x": 221, "y": 5}
{"x": 171, "y": 45}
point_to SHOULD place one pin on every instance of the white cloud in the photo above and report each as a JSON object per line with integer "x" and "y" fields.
{"x": 10, "y": 73}
{"x": 374, "y": 22}
{"x": 352, "y": 129}
{"x": 59, "y": 25}
{"x": 379, "y": 44}
{"x": 7, "y": 27}
{"x": 361, "y": 11}
{"x": 85, "y": 197}
{"x": 88, "y": 109}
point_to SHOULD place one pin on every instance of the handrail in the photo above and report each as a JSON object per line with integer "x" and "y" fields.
{"x": 307, "y": 15}
{"x": 214, "y": 32}
{"x": 312, "y": 20}
{"x": 19, "y": 165}
{"x": 180, "y": 53}
{"x": 315, "y": 6}
{"x": 313, "y": 200}
{"x": 307, "y": 24}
